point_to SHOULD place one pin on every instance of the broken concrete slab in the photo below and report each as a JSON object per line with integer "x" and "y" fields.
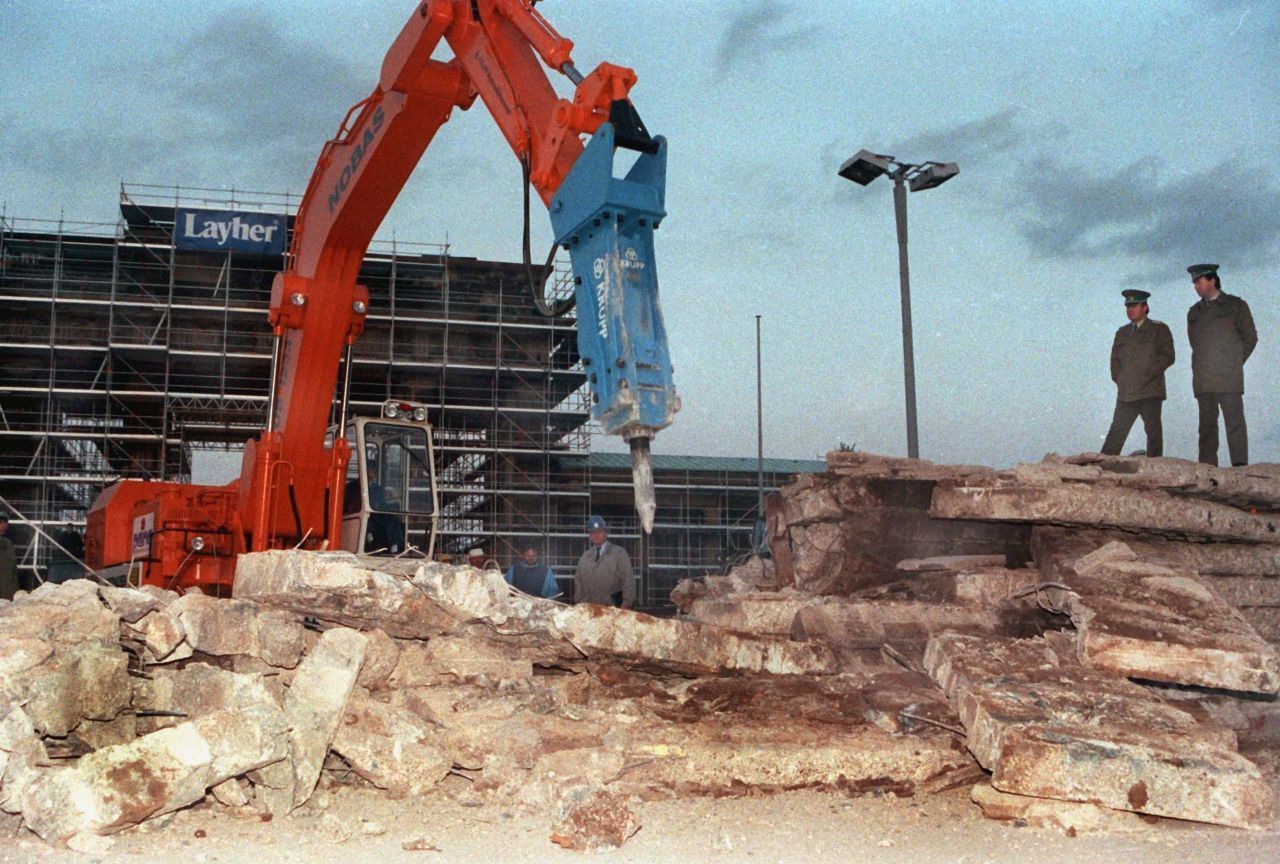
{"x": 1209, "y": 559}
{"x": 313, "y": 707}
{"x": 1070, "y": 817}
{"x": 336, "y": 587}
{"x": 127, "y": 603}
{"x": 756, "y": 612}
{"x": 229, "y": 627}
{"x": 457, "y": 597}
{"x": 1145, "y": 620}
{"x": 953, "y": 563}
{"x": 1048, "y": 727}
{"x": 837, "y": 534}
{"x": 163, "y": 637}
{"x": 1091, "y": 506}
{"x": 849, "y": 463}
{"x": 390, "y": 747}
{"x": 196, "y": 690}
{"x": 382, "y": 655}
{"x": 22, "y": 753}
{"x": 60, "y": 658}
{"x": 1255, "y": 486}
{"x": 854, "y": 733}
{"x": 116, "y": 787}
{"x": 853, "y": 627}
{"x": 60, "y": 685}
{"x": 460, "y": 658}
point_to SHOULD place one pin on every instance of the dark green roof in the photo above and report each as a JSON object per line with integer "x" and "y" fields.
{"x": 721, "y": 464}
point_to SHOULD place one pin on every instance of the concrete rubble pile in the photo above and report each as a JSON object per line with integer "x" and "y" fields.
{"x": 118, "y": 705}
{"x": 1104, "y": 627}
{"x": 917, "y": 628}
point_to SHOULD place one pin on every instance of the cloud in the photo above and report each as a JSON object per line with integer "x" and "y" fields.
{"x": 757, "y": 30}
{"x": 1222, "y": 213}
{"x": 256, "y": 97}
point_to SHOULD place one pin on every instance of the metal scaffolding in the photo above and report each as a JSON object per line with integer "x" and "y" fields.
{"x": 122, "y": 355}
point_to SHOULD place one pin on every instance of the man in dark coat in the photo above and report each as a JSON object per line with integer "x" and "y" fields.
{"x": 1140, "y": 353}
{"x": 9, "y": 584}
{"x": 604, "y": 570}
{"x": 1220, "y": 329}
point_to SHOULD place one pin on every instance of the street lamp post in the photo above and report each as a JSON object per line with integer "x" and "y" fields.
{"x": 863, "y": 167}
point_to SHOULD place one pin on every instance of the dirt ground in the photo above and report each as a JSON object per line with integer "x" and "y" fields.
{"x": 353, "y": 824}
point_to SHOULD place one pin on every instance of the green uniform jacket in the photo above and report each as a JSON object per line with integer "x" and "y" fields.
{"x": 1222, "y": 337}
{"x": 8, "y": 569}
{"x": 597, "y": 581}
{"x": 1139, "y": 358}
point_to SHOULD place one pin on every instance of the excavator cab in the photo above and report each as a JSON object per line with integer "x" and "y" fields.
{"x": 389, "y": 500}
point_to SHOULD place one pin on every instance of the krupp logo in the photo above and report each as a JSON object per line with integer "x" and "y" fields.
{"x": 631, "y": 261}
{"x": 597, "y": 269}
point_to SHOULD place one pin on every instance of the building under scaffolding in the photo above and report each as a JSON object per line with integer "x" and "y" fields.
{"x": 125, "y": 355}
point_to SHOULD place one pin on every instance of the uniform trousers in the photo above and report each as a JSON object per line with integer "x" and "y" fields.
{"x": 1122, "y": 422}
{"x": 1232, "y": 407}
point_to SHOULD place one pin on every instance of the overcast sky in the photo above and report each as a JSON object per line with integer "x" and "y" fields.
{"x": 1102, "y": 145}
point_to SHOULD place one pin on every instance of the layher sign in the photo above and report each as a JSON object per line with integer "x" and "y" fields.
{"x": 222, "y": 230}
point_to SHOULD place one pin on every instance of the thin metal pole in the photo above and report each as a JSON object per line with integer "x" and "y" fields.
{"x": 908, "y": 352}
{"x": 759, "y": 430}
{"x": 758, "y": 541}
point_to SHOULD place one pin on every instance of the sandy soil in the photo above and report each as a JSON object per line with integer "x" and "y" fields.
{"x": 801, "y": 827}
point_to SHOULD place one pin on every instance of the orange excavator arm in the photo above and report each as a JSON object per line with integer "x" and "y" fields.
{"x": 317, "y": 310}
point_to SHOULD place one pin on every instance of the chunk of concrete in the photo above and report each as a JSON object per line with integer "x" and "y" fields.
{"x": 313, "y": 708}
{"x": 128, "y": 604}
{"x": 230, "y": 627}
{"x": 22, "y": 754}
{"x": 61, "y": 683}
{"x": 382, "y": 655}
{"x": 757, "y": 612}
{"x": 336, "y": 587}
{"x": 1048, "y": 727}
{"x": 853, "y": 626}
{"x": 953, "y": 563}
{"x": 116, "y": 787}
{"x": 391, "y": 748}
{"x": 459, "y": 658}
{"x": 163, "y": 637}
{"x": 467, "y": 597}
{"x": 1070, "y": 817}
{"x": 1145, "y": 620}
{"x": 590, "y": 819}
{"x": 1256, "y": 486}
{"x": 1091, "y": 506}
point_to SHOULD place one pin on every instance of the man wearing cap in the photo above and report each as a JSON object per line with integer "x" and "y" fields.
{"x": 1220, "y": 329}
{"x": 532, "y": 576}
{"x": 604, "y": 570}
{"x": 1140, "y": 353}
{"x": 8, "y": 563}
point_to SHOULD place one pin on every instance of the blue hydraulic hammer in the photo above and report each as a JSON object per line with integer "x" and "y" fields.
{"x": 607, "y": 225}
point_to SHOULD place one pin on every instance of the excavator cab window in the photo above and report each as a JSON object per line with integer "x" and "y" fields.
{"x": 389, "y": 497}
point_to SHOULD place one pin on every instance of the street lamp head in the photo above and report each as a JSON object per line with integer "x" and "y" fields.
{"x": 933, "y": 174}
{"x": 864, "y": 166}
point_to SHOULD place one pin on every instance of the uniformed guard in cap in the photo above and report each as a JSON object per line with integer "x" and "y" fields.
{"x": 1220, "y": 329}
{"x": 1140, "y": 352}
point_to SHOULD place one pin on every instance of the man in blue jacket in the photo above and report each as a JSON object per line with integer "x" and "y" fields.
{"x": 532, "y": 576}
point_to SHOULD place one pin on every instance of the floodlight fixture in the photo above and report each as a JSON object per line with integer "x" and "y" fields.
{"x": 864, "y": 166}
{"x": 932, "y": 174}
